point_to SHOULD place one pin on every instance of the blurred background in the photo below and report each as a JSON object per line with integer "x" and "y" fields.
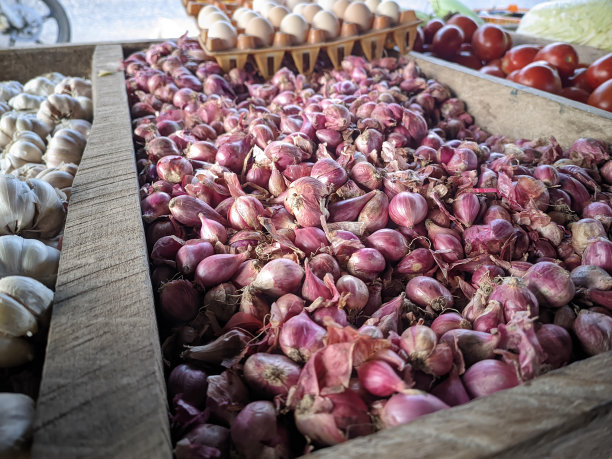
{"x": 92, "y": 21}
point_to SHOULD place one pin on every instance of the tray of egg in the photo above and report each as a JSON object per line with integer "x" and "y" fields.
{"x": 272, "y": 29}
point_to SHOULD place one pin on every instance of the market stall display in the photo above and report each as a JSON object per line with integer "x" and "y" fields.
{"x": 307, "y": 221}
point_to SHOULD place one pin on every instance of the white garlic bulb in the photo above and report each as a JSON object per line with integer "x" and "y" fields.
{"x": 40, "y": 86}
{"x": 25, "y": 101}
{"x": 66, "y": 146}
{"x": 29, "y": 293}
{"x": 13, "y": 353}
{"x": 28, "y": 257}
{"x": 16, "y": 425}
{"x": 17, "y": 210}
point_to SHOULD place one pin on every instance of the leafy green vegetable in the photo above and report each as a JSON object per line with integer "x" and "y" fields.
{"x": 446, "y": 8}
{"x": 583, "y": 22}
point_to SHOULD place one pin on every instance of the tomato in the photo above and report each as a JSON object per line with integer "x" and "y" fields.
{"x": 431, "y": 28}
{"x": 489, "y": 42}
{"x": 496, "y": 62}
{"x": 561, "y": 55}
{"x": 578, "y": 79}
{"x": 419, "y": 40}
{"x": 539, "y": 75}
{"x": 512, "y": 76}
{"x": 493, "y": 70}
{"x": 447, "y": 40}
{"x": 465, "y": 47}
{"x": 574, "y": 93}
{"x": 600, "y": 71}
{"x": 466, "y": 24}
{"x": 518, "y": 57}
{"x": 601, "y": 97}
{"x": 508, "y": 40}
{"x": 467, "y": 59}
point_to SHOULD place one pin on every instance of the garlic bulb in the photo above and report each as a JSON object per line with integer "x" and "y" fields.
{"x": 9, "y": 89}
{"x": 61, "y": 106}
{"x": 83, "y": 126}
{"x": 13, "y": 353}
{"x": 15, "y": 319}
{"x": 39, "y": 86}
{"x": 17, "y": 210}
{"x": 56, "y": 178}
{"x": 74, "y": 86}
{"x": 50, "y": 211}
{"x": 66, "y": 146}
{"x": 4, "y": 107}
{"x": 54, "y": 77}
{"x": 25, "y": 101}
{"x": 16, "y": 425}
{"x": 12, "y": 123}
{"x": 27, "y": 147}
{"x": 28, "y": 257}
{"x": 29, "y": 293}
{"x": 29, "y": 170}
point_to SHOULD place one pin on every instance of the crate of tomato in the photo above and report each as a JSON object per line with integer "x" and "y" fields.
{"x": 578, "y": 73}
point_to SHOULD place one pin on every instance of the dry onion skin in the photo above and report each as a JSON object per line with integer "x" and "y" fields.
{"x": 376, "y": 256}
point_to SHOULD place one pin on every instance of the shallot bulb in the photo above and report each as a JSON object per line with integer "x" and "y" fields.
{"x": 279, "y": 277}
{"x": 594, "y": 331}
{"x": 300, "y": 337}
{"x": 408, "y": 406}
{"x": 551, "y": 284}
{"x": 489, "y": 376}
{"x": 407, "y": 209}
{"x": 271, "y": 374}
{"x": 428, "y": 292}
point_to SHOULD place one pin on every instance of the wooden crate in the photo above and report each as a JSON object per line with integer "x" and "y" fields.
{"x": 103, "y": 393}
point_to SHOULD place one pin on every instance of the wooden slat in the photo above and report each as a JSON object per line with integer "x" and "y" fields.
{"x": 103, "y": 392}
{"x": 21, "y": 64}
{"x": 564, "y": 414}
{"x": 504, "y": 107}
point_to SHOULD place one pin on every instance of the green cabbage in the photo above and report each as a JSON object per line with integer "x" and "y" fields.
{"x": 583, "y": 22}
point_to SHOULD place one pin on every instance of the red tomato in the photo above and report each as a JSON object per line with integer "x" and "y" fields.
{"x": 600, "y": 71}
{"x": 493, "y": 70}
{"x": 466, "y": 24}
{"x": 431, "y": 28}
{"x": 508, "y": 40}
{"x": 513, "y": 75}
{"x": 561, "y": 55}
{"x": 574, "y": 93}
{"x": 465, "y": 47}
{"x": 419, "y": 40}
{"x": 578, "y": 79}
{"x": 539, "y": 75}
{"x": 446, "y": 41}
{"x": 496, "y": 62}
{"x": 467, "y": 59}
{"x": 489, "y": 42}
{"x": 518, "y": 57}
{"x": 601, "y": 97}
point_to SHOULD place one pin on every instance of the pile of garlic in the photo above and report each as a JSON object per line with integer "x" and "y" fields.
{"x": 44, "y": 126}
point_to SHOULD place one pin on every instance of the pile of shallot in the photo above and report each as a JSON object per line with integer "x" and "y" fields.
{"x": 337, "y": 254}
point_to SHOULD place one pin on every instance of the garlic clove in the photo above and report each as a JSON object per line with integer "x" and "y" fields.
{"x": 50, "y": 212}
{"x": 13, "y": 353}
{"x": 16, "y": 424}
{"x": 15, "y": 319}
{"x": 30, "y": 293}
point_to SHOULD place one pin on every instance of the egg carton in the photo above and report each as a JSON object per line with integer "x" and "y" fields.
{"x": 269, "y": 60}
{"x": 193, "y": 7}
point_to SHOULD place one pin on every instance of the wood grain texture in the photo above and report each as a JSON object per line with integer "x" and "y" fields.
{"x": 566, "y": 413}
{"x": 21, "y": 64}
{"x": 586, "y": 54}
{"x": 103, "y": 392}
{"x": 504, "y": 107}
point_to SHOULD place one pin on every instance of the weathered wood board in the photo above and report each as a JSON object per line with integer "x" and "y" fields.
{"x": 505, "y": 107}
{"x": 564, "y": 414}
{"x": 103, "y": 392}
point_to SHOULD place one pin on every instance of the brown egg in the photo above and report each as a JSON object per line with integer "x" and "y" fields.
{"x": 225, "y": 31}
{"x": 327, "y": 21}
{"x": 310, "y": 11}
{"x": 261, "y": 29}
{"x": 276, "y": 15}
{"x": 358, "y": 13}
{"x": 296, "y": 25}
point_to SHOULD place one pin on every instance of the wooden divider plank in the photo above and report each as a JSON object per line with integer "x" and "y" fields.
{"x": 564, "y": 414}
{"x": 504, "y": 107}
{"x": 103, "y": 391}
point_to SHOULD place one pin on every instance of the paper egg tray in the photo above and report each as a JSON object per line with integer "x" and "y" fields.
{"x": 269, "y": 60}
{"x": 194, "y": 7}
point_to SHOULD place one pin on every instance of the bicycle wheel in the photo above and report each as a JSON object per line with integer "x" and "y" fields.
{"x": 45, "y": 22}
